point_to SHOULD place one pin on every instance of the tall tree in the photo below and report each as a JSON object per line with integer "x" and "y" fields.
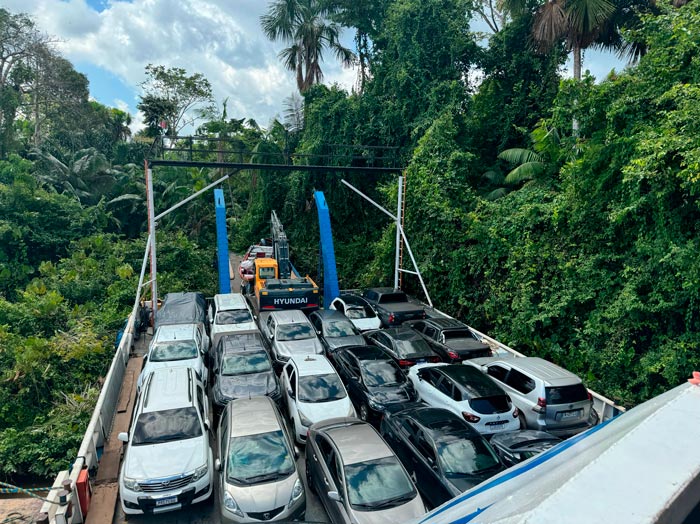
{"x": 305, "y": 25}
{"x": 171, "y": 97}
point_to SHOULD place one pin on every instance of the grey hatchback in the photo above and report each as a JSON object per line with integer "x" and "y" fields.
{"x": 357, "y": 476}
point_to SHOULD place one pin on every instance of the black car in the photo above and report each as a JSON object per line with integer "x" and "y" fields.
{"x": 405, "y": 345}
{"x": 373, "y": 380}
{"x": 515, "y": 446}
{"x": 451, "y": 339}
{"x": 443, "y": 454}
{"x": 242, "y": 369}
{"x": 335, "y": 330}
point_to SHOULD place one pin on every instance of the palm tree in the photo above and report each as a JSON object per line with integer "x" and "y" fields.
{"x": 578, "y": 22}
{"x": 305, "y": 26}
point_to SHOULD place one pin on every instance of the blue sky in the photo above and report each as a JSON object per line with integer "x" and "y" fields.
{"x": 111, "y": 41}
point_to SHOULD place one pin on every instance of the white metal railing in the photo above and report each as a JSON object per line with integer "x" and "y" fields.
{"x": 68, "y": 511}
{"x": 605, "y": 407}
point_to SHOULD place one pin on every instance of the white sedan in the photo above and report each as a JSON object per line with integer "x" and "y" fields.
{"x": 467, "y": 392}
{"x": 313, "y": 392}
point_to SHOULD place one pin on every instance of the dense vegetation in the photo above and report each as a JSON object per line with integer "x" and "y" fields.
{"x": 558, "y": 215}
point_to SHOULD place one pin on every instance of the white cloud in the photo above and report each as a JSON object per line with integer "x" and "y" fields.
{"x": 221, "y": 39}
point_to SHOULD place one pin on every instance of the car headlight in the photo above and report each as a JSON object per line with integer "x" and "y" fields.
{"x": 200, "y": 472}
{"x": 131, "y": 484}
{"x": 304, "y": 420}
{"x": 231, "y": 505}
{"x": 297, "y": 491}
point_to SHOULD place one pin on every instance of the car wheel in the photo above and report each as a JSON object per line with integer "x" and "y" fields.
{"x": 523, "y": 423}
{"x": 364, "y": 412}
{"x": 309, "y": 482}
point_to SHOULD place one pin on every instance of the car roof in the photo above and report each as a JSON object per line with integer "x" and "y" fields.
{"x": 367, "y": 352}
{"x": 548, "y": 372}
{"x": 470, "y": 379}
{"x": 250, "y": 340}
{"x": 251, "y": 416}
{"x": 400, "y": 333}
{"x": 289, "y": 316}
{"x": 329, "y": 314}
{"x": 358, "y": 442}
{"x": 355, "y": 300}
{"x": 230, "y": 301}
{"x": 312, "y": 365}
{"x": 444, "y": 323}
{"x": 168, "y": 388}
{"x": 175, "y": 332}
{"x": 439, "y": 422}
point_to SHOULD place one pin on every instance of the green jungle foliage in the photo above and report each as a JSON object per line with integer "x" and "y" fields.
{"x": 575, "y": 243}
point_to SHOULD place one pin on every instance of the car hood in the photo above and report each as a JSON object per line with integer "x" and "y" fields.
{"x": 167, "y": 459}
{"x": 240, "y": 386}
{"x": 318, "y": 411}
{"x": 263, "y": 497}
{"x": 306, "y": 346}
{"x": 365, "y": 324}
{"x": 407, "y": 512}
{"x": 390, "y": 394}
{"x": 353, "y": 340}
{"x": 461, "y": 484}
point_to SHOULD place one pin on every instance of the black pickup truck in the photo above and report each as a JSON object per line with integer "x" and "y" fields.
{"x": 451, "y": 339}
{"x": 392, "y": 305}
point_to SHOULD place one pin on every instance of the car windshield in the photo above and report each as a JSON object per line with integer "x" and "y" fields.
{"x": 339, "y": 328}
{"x": 463, "y": 456}
{"x": 378, "y": 483}
{"x": 413, "y": 347}
{"x": 457, "y": 333}
{"x": 320, "y": 388}
{"x": 173, "y": 350}
{"x": 259, "y": 458}
{"x": 166, "y": 426}
{"x": 294, "y": 332}
{"x": 245, "y": 363}
{"x": 382, "y": 373}
{"x": 233, "y": 316}
{"x": 358, "y": 312}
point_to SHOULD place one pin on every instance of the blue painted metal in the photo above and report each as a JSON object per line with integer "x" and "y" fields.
{"x": 330, "y": 273}
{"x": 222, "y": 242}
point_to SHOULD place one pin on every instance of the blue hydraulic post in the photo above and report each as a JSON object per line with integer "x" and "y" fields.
{"x": 222, "y": 242}
{"x": 330, "y": 273}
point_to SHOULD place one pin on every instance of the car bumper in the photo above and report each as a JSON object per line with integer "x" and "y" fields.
{"x": 134, "y": 503}
{"x": 296, "y": 511}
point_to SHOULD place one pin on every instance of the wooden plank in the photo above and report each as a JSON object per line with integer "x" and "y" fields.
{"x": 103, "y": 503}
{"x": 127, "y": 385}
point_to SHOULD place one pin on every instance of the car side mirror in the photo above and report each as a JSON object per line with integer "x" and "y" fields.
{"x": 296, "y": 452}
{"x": 291, "y": 393}
{"x": 123, "y": 436}
{"x": 272, "y": 336}
{"x": 206, "y": 425}
{"x": 334, "y": 496}
{"x": 217, "y": 465}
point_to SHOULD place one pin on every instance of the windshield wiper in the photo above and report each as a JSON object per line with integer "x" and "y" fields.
{"x": 392, "y": 502}
{"x": 267, "y": 476}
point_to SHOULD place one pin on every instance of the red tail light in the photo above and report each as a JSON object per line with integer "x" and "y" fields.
{"x": 453, "y": 355}
{"x": 405, "y": 363}
{"x": 541, "y": 405}
{"x": 590, "y": 397}
{"x": 470, "y": 418}
{"x": 268, "y": 307}
{"x": 516, "y": 413}
{"x": 434, "y": 360}
{"x": 391, "y": 318}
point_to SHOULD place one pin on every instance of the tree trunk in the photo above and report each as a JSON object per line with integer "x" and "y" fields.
{"x": 577, "y": 77}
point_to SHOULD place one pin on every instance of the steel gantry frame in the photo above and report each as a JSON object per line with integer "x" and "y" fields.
{"x": 195, "y": 151}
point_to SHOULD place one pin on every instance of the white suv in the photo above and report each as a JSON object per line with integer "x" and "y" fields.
{"x": 177, "y": 345}
{"x": 231, "y": 314}
{"x": 168, "y": 463}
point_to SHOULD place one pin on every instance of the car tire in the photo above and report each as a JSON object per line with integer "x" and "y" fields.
{"x": 364, "y": 412}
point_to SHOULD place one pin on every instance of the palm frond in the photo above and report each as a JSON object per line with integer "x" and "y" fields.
{"x": 525, "y": 172}
{"x": 520, "y": 156}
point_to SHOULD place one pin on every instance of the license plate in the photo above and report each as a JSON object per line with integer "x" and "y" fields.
{"x": 421, "y": 361}
{"x": 166, "y": 501}
{"x": 576, "y": 413}
{"x": 497, "y": 423}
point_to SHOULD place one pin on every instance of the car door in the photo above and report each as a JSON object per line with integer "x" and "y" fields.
{"x": 383, "y": 341}
{"x": 427, "y": 386}
{"x": 427, "y": 471}
{"x": 329, "y": 478}
{"x": 353, "y": 381}
{"x": 287, "y": 389}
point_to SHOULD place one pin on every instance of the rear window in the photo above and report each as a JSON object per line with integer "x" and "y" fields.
{"x": 233, "y": 316}
{"x": 392, "y": 297}
{"x": 457, "y": 333}
{"x": 566, "y": 394}
{"x": 490, "y": 405}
